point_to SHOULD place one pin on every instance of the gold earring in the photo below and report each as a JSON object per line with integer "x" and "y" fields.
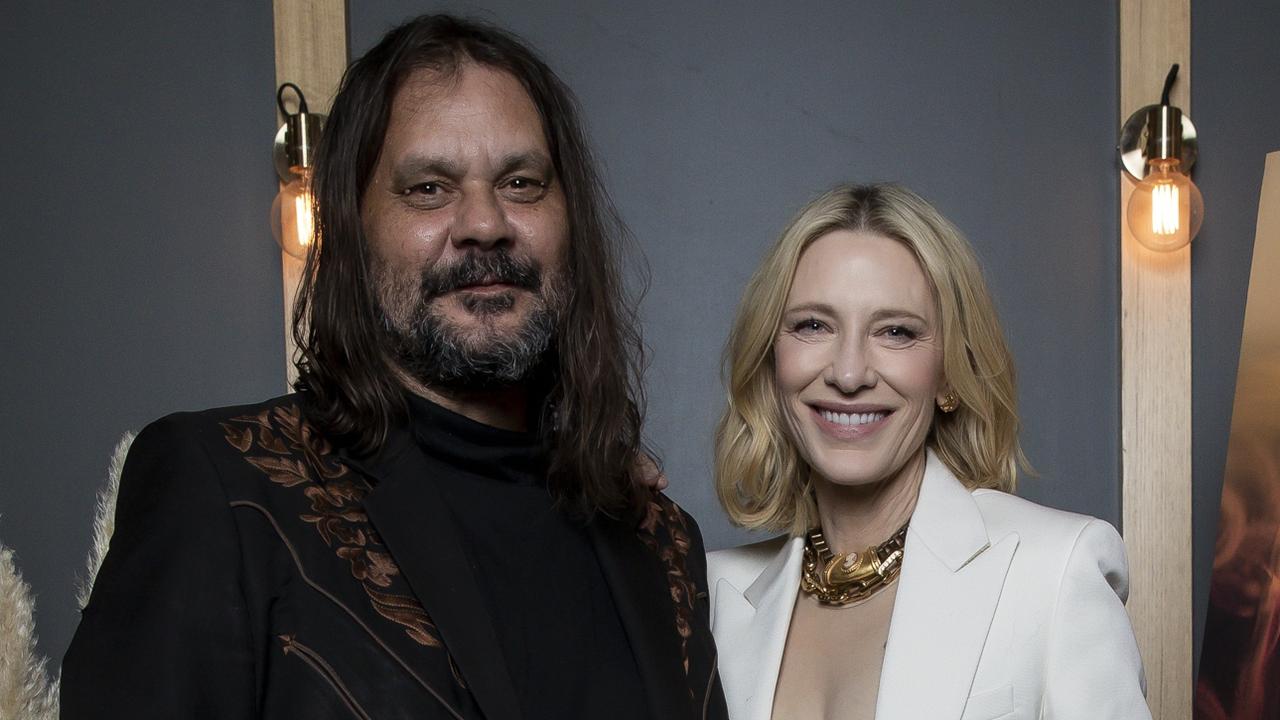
{"x": 949, "y": 402}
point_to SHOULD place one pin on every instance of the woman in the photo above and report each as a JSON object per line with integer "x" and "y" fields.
{"x": 872, "y": 418}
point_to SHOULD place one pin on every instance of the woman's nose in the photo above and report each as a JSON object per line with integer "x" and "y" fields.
{"x": 850, "y": 367}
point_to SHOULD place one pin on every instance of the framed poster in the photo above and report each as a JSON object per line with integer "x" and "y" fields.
{"x": 1240, "y": 659}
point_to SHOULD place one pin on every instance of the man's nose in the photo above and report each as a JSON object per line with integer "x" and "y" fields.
{"x": 850, "y": 366}
{"x": 481, "y": 220}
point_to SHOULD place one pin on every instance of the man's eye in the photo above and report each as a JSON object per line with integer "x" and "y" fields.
{"x": 524, "y": 189}
{"x": 426, "y": 188}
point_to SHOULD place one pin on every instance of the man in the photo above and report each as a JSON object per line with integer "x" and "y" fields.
{"x": 442, "y": 522}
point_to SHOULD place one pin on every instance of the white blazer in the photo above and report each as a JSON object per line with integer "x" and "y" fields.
{"x": 1005, "y": 609}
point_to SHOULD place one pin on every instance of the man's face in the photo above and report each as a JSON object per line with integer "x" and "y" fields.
{"x": 468, "y": 229}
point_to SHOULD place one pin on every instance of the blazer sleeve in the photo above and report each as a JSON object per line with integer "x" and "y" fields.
{"x": 165, "y": 633}
{"x": 1093, "y": 669}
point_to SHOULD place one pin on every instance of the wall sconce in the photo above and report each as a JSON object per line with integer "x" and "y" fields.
{"x": 1157, "y": 149}
{"x": 292, "y": 219}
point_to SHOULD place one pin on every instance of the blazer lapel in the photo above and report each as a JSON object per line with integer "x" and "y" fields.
{"x": 645, "y": 609}
{"x": 952, "y": 576}
{"x": 406, "y": 510}
{"x": 752, "y": 630}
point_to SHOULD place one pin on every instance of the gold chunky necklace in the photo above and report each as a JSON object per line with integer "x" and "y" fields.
{"x": 850, "y": 577}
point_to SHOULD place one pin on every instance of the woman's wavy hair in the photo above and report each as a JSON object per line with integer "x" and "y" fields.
{"x": 345, "y": 366}
{"x": 761, "y": 478}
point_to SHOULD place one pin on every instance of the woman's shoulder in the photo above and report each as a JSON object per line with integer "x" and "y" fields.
{"x": 742, "y": 564}
{"x": 1050, "y": 533}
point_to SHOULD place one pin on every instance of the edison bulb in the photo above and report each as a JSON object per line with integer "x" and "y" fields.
{"x": 1166, "y": 208}
{"x": 293, "y": 218}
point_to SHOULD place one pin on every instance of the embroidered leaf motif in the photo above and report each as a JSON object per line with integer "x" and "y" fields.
{"x": 406, "y": 612}
{"x": 662, "y": 514}
{"x": 270, "y": 442}
{"x": 290, "y": 419}
{"x": 370, "y": 565}
{"x": 337, "y": 510}
{"x": 240, "y": 438}
{"x": 284, "y": 471}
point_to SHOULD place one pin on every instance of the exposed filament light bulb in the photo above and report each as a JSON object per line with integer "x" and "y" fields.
{"x": 293, "y": 217}
{"x": 1166, "y": 208}
{"x": 293, "y": 212}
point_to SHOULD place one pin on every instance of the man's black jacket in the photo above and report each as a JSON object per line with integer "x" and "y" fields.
{"x": 258, "y": 572}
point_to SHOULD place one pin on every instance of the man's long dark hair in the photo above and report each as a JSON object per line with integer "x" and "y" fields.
{"x": 346, "y": 370}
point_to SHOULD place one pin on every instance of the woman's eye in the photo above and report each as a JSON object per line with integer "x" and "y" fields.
{"x": 807, "y": 325}
{"x": 898, "y": 332}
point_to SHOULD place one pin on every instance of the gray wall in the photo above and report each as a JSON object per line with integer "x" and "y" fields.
{"x": 1236, "y": 106}
{"x": 139, "y": 275}
{"x": 141, "y": 278}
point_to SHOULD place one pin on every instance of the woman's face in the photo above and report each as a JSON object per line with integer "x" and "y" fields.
{"x": 859, "y": 357}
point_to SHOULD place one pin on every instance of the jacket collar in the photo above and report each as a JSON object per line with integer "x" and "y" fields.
{"x": 947, "y": 520}
{"x": 950, "y": 582}
{"x": 413, "y": 521}
{"x": 952, "y": 577}
{"x": 420, "y": 532}
{"x": 644, "y": 604}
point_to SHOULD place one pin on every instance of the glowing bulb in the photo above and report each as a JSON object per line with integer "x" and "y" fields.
{"x": 1165, "y": 209}
{"x": 302, "y": 219}
{"x": 292, "y": 218}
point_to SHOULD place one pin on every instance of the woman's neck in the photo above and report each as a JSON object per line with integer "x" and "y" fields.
{"x": 855, "y": 517}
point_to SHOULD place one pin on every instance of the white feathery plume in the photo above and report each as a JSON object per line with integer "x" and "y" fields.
{"x": 25, "y": 690}
{"x": 104, "y": 518}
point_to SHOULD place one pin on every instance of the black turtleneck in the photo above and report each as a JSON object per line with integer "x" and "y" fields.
{"x": 566, "y": 650}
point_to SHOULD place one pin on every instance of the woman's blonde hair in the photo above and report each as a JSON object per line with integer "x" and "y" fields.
{"x": 761, "y": 478}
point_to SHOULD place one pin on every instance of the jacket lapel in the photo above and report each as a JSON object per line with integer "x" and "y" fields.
{"x": 647, "y": 614}
{"x": 406, "y": 510}
{"x": 952, "y": 576}
{"x": 752, "y": 630}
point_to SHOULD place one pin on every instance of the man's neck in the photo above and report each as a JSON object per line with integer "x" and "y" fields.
{"x": 504, "y": 408}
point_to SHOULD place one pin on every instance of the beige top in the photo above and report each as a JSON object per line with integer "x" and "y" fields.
{"x": 831, "y": 664}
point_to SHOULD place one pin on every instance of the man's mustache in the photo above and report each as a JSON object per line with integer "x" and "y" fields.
{"x": 477, "y": 268}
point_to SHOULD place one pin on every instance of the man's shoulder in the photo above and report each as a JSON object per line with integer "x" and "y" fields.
{"x": 189, "y": 421}
{"x": 237, "y": 440}
{"x": 663, "y": 522}
{"x": 210, "y": 426}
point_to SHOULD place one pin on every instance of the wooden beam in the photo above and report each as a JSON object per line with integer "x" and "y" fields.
{"x": 311, "y": 52}
{"x": 1155, "y": 320}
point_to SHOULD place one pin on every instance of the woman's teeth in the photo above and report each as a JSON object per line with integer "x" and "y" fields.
{"x": 852, "y": 418}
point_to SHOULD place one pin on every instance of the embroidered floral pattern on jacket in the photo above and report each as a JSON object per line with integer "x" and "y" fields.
{"x": 662, "y": 513}
{"x": 291, "y": 454}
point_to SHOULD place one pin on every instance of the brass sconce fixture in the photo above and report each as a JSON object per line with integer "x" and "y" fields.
{"x": 292, "y": 218}
{"x": 1157, "y": 149}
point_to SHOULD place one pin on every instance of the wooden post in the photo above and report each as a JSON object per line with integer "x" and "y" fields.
{"x": 1155, "y": 320}
{"x": 311, "y": 52}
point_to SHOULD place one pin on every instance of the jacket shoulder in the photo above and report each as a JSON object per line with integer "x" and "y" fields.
{"x": 189, "y": 421}
{"x": 1003, "y": 513}
{"x": 219, "y": 436}
{"x": 1056, "y": 538}
{"x": 208, "y": 423}
{"x": 741, "y": 565}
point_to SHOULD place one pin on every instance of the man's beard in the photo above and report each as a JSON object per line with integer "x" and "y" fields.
{"x": 438, "y": 353}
